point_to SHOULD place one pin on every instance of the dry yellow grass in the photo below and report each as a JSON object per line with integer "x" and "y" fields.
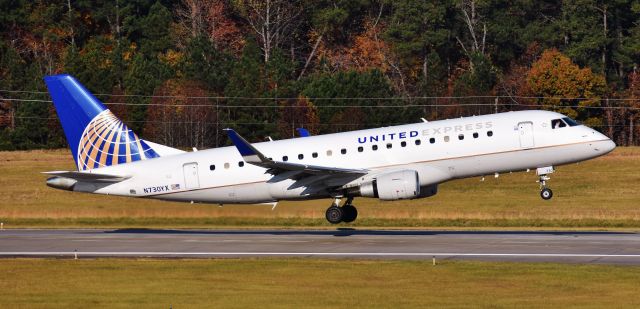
{"x": 604, "y": 189}
{"x": 310, "y": 283}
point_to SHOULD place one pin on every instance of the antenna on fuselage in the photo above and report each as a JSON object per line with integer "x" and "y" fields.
{"x": 424, "y": 120}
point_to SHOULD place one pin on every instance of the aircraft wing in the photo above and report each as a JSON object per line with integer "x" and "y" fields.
{"x": 252, "y": 156}
{"x": 89, "y": 177}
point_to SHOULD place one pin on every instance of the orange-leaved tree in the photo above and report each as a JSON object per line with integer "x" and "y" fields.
{"x": 563, "y": 86}
{"x": 297, "y": 113}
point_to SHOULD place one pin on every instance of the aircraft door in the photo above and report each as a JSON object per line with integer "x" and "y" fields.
{"x": 525, "y": 131}
{"x": 191, "y": 179}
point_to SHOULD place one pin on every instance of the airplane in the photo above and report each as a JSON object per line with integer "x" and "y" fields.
{"x": 389, "y": 163}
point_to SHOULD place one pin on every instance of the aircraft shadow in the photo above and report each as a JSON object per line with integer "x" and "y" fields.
{"x": 341, "y": 232}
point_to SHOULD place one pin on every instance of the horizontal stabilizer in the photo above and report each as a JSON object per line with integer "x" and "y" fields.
{"x": 163, "y": 150}
{"x": 87, "y": 177}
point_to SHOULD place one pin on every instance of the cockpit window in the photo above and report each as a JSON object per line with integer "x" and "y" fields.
{"x": 557, "y": 123}
{"x": 570, "y": 122}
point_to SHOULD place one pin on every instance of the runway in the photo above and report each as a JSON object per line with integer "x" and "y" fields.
{"x": 534, "y": 246}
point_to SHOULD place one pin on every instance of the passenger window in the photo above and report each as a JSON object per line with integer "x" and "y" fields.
{"x": 300, "y": 156}
{"x": 374, "y": 147}
{"x": 212, "y": 167}
{"x": 557, "y": 123}
{"x": 475, "y": 134}
{"x": 343, "y": 151}
{"x": 285, "y": 158}
{"x": 241, "y": 164}
{"x": 329, "y": 153}
{"x": 489, "y": 133}
{"x": 315, "y": 154}
{"x": 418, "y": 142}
{"x": 389, "y": 145}
{"x": 360, "y": 149}
{"x": 460, "y": 136}
{"x": 226, "y": 166}
{"x": 432, "y": 140}
{"x": 446, "y": 139}
{"x": 403, "y": 144}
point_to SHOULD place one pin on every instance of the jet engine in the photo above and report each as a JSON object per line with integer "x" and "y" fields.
{"x": 428, "y": 191}
{"x": 398, "y": 185}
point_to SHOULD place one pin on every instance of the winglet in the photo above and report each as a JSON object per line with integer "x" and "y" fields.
{"x": 247, "y": 151}
{"x": 303, "y": 132}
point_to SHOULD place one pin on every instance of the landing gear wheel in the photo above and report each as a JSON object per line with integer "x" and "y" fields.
{"x": 349, "y": 213}
{"x": 546, "y": 194}
{"x": 334, "y": 214}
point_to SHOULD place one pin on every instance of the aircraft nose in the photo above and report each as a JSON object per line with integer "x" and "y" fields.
{"x": 604, "y": 145}
{"x": 600, "y": 143}
{"x": 608, "y": 146}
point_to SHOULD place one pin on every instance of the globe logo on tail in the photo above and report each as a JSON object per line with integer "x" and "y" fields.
{"x": 108, "y": 141}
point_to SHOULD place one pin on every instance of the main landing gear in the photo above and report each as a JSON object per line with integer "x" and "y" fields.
{"x": 347, "y": 213}
{"x": 545, "y": 193}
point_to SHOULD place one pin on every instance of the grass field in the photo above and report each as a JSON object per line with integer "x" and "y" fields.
{"x": 309, "y": 283}
{"x": 599, "y": 193}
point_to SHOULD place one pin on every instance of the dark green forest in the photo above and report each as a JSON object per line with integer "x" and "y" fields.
{"x": 178, "y": 72}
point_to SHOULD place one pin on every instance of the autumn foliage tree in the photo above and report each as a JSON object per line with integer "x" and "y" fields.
{"x": 297, "y": 113}
{"x": 361, "y": 63}
{"x": 176, "y": 118}
{"x": 566, "y": 88}
{"x": 633, "y": 114}
{"x": 514, "y": 82}
{"x": 210, "y": 19}
{"x": 367, "y": 51}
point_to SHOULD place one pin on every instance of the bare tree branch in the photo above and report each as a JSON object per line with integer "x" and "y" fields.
{"x": 272, "y": 21}
{"x": 471, "y": 19}
{"x": 313, "y": 52}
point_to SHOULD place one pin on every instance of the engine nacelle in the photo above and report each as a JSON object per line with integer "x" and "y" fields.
{"x": 427, "y": 191}
{"x": 61, "y": 183}
{"x": 397, "y": 185}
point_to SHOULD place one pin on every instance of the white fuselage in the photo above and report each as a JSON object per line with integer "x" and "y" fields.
{"x": 447, "y": 149}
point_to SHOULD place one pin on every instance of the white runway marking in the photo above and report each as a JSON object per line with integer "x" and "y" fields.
{"x": 417, "y": 254}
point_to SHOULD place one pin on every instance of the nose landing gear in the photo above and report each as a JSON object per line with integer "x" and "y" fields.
{"x": 545, "y": 193}
{"x": 347, "y": 213}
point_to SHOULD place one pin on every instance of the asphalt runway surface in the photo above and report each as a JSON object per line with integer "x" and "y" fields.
{"x": 533, "y": 246}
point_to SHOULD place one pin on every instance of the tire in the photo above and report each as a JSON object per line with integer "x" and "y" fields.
{"x": 350, "y": 213}
{"x": 546, "y": 194}
{"x": 334, "y": 215}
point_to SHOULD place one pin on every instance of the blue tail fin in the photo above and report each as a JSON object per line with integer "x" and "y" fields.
{"x": 96, "y": 137}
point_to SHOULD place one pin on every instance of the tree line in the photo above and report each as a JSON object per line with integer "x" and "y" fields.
{"x": 177, "y": 72}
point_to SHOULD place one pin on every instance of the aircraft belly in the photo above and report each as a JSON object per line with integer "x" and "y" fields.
{"x": 520, "y": 160}
{"x": 287, "y": 189}
{"x": 235, "y": 194}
